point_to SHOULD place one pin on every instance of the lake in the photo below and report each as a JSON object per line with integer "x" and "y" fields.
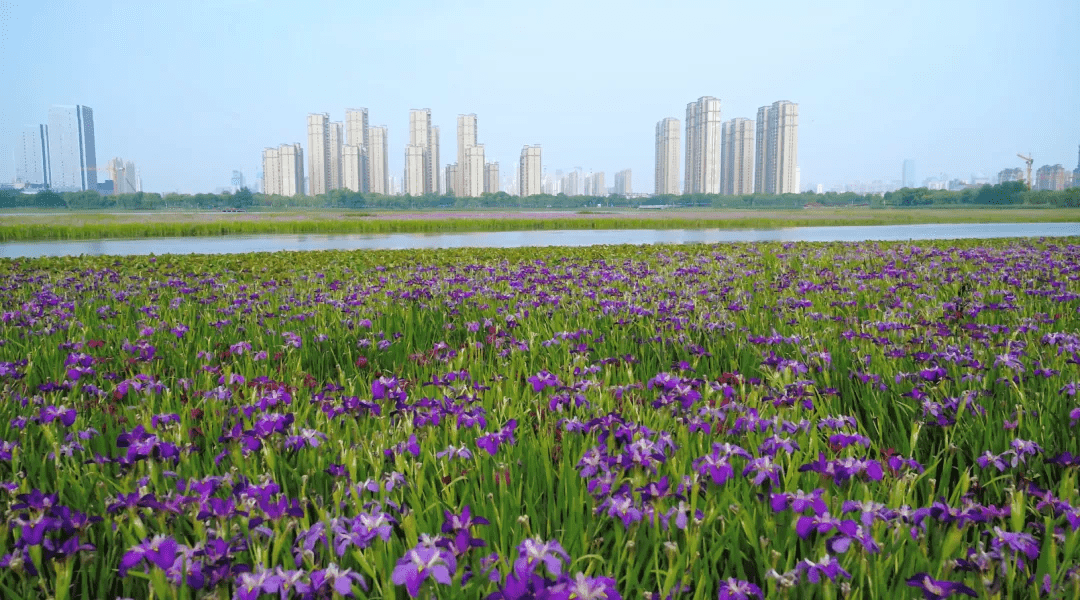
{"x": 516, "y": 239}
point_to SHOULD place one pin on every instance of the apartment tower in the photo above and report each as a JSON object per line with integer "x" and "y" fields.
{"x": 667, "y": 157}
{"x": 356, "y": 134}
{"x": 466, "y": 138}
{"x": 379, "y": 174}
{"x": 737, "y": 162}
{"x": 32, "y": 155}
{"x": 622, "y": 183}
{"x": 72, "y": 160}
{"x": 426, "y": 138}
{"x": 703, "y": 128}
{"x": 415, "y": 177}
{"x": 529, "y": 174}
{"x": 283, "y": 170}
{"x": 337, "y": 142}
{"x": 777, "y": 155}
{"x": 491, "y": 178}
{"x": 318, "y": 134}
{"x": 352, "y": 168}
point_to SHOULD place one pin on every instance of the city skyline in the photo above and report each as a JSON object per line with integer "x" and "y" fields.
{"x": 862, "y": 74}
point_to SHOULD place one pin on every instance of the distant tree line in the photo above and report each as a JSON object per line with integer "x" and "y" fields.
{"x": 1006, "y": 194}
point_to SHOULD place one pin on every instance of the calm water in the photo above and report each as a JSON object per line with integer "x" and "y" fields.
{"x": 516, "y": 239}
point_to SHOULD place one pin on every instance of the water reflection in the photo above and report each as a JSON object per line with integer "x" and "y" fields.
{"x": 517, "y": 239}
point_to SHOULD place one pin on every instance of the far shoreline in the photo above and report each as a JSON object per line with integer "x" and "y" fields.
{"x": 36, "y": 224}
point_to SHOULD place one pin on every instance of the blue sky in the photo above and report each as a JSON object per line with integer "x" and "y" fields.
{"x": 191, "y": 90}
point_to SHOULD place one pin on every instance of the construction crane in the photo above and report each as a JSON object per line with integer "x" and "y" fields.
{"x": 1028, "y": 160}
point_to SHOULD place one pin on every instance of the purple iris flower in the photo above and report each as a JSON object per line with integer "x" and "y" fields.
{"x": 542, "y": 380}
{"x": 799, "y": 501}
{"x": 534, "y": 551}
{"x": 160, "y": 551}
{"x": 764, "y": 469}
{"x": 593, "y": 588}
{"x": 827, "y": 566}
{"x": 936, "y": 589}
{"x": 1024, "y": 543}
{"x": 420, "y": 563}
{"x": 736, "y": 589}
{"x": 337, "y": 579}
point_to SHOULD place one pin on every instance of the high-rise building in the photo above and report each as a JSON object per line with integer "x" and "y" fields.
{"x": 1050, "y": 178}
{"x": 667, "y": 156}
{"x": 451, "y": 179}
{"x": 72, "y": 158}
{"x": 737, "y": 158}
{"x": 415, "y": 177}
{"x": 271, "y": 172}
{"x": 491, "y": 178}
{"x": 909, "y": 173}
{"x": 594, "y": 184}
{"x": 318, "y": 133}
{"x": 356, "y": 134}
{"x": 433, "y": 161}
{"x": 703, "y": 129}
{"x": 472, "y": 175}
{"x": 425, "y": 137}
{"x": 466, "y": 137}
{"x": 379, "y": 173}
{"x": 779, "y": 155}
{"x": 337, "y": 141}
{"x": 571, "y": 184}
{"x": 1076, "y": 173}
{"x": 352, "y": 167}
{"x": 236, "y": 181}
{"x": 622, "y": 183}
{"x": 761, "y": 148}
{"x": 125, "y": 177}
{"x": 283, "y": 170}
{"x": 529, "y": 173}
{"x": 1007, "y": 175}
{"x": 32, "y": 155}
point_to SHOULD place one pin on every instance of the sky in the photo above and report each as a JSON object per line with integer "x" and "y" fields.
{"x": 192, "y": 90}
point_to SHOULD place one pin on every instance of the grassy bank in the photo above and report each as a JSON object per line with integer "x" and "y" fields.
{"x": 142, "y": 225}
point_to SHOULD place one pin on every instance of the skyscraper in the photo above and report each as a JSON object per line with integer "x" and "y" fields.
{"x": 452, "y": 179}
{"x": 667, "y": 156}
{"x": 1050, "y": 178}
{"x": 72, "y": 159}
{"x": 622, "y": 183}
{"x": 781, "y": 149}
{"x": 379, "y": 174}
{"x": 529, "y": 171}
{"x": 491, "y": 178}
{"x": 703, "y": 128}
{"x": 737, "y": 168}
{"x": 415, "y": 177}
{"x": 283, "y": 170}
{"x": 472, "y": 176}
{"x": 32, "y": 155}
{"x": 271, "y": 172}
{"x": 125, "y": 177}
{"x": 433, "y": 161}
{"x": 424, "y": 136}
{"x": 356, "y": 134}
{"x": 318, "y": 133}
{"x": 337, "y": 140}
{"x": 1076, "y": 173}
{"x": 909, "y": 173}
{"x": 352, "y": 167}
{"x": 761, "y": 148}
{"x": 466, "y": 137}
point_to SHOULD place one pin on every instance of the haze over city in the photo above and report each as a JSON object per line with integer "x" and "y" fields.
{"x": 192, "y": 91}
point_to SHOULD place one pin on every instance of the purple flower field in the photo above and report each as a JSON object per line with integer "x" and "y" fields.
{"x": 740, "y": 421}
